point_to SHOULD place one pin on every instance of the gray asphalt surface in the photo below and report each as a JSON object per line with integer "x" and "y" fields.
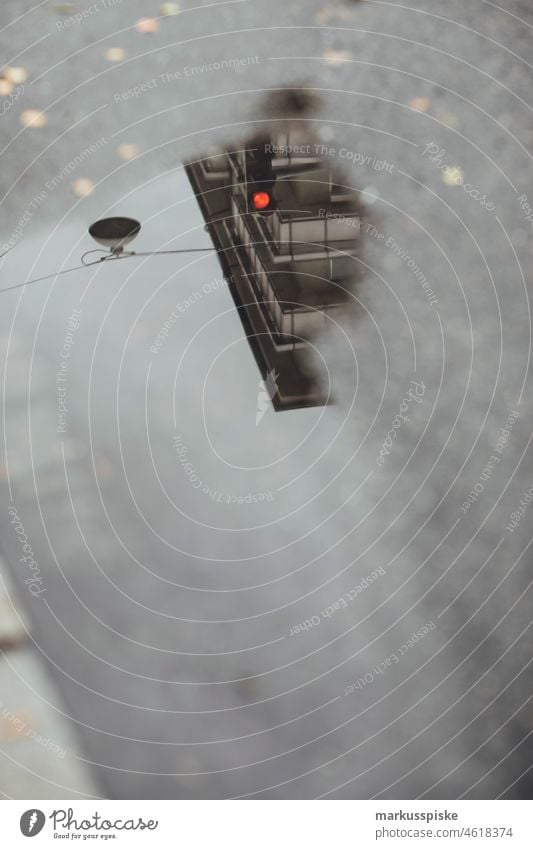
{"x": 167, "y": 614}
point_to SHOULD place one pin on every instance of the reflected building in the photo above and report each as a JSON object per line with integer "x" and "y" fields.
{"x": 289, "y": 271}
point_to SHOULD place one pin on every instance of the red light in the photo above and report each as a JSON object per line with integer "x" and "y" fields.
{"x": 261, "y": 200}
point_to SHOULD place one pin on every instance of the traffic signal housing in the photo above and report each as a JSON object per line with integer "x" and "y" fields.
{"x": 260, "y": 180}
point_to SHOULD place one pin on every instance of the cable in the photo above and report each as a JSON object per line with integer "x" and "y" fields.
{"x": 47, "y": 277}
{"x": 157, "y": 253}
{"x": 105, "y": 258}
{"x": 94, "y": 261}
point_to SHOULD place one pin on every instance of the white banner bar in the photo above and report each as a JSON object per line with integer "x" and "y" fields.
{"x": 268, "y": 824}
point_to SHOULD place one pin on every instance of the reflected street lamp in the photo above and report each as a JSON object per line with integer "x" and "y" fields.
{"x": 115, "y": 234}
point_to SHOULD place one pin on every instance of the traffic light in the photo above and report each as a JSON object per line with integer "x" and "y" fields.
{"x": 260, "y": 180}
{"x": 261, "y": 201}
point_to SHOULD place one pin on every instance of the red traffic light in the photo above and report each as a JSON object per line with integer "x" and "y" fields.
{"x": 261, "y": 200}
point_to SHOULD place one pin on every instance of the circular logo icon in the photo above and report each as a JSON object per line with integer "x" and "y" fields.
{"x": 32, "y": 822}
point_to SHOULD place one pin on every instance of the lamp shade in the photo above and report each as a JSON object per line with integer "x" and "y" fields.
{"x": 114, "y": 233}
